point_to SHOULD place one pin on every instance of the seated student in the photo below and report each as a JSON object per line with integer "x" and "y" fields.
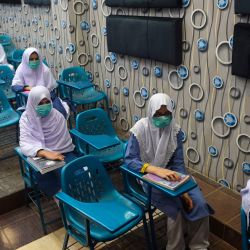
{"x": 33, "y": 72}
{"x": 245, "y": 204}
{"x": 3, "y": 58}
{"x": 155, "y": 146}
{"x": 44, "y": 133}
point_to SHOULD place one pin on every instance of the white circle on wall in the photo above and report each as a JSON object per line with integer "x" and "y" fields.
{"x": 192, "y": 155}
{"x": 194, "y": 13}
{"x": 217, "y": 53}
{"x": 195, "y": 85}
{"x": 239, "y": 144}
{"x": 221, "y": 135}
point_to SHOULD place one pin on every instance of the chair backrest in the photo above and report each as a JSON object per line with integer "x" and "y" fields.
{"x": 86, "y": 180}
{"x": 17, "y": 54}
{"x": 8, "y": 45}
{"x": 94, "y": 122}
{"x": 72, "y": 74}
{"x": 7, "y": 75}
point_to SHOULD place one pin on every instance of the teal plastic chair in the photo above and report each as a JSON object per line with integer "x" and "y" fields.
{"x": 245, "y": 231}
{"x": 96, "y": 122}
{"x": 76, "y": 88}
{"x": 16, "y": 57}
{"x": 92, "y": 209}
{"x": 8, "y": 45}
{"x": 8, "y": 116}
{"x": 7, "y": 75}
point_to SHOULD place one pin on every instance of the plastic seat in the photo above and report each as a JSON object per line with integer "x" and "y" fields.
{"x": 96, "y": 122}
{"x": 8, "y": 45}
{"x": 16, "y": 57}
{"x": 245, "y": 231}
{"x": 8, "y": 116}
{"x": 92, "y": 209}
{"x": 79, "y": 96}
{"x": 7, "y": 75}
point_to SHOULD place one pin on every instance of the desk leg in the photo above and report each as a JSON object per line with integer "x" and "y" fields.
{"x": 38, "y": 202}
{"x": 151, "y": 220}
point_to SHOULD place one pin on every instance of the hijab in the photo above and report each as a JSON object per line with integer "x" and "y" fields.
{"x": 41, "y": 76}
{"x": 157, "y": 145}
{"x": 245, "y": 204}
{"x": 49, "y": 132}
{"x": 3, "y": 59}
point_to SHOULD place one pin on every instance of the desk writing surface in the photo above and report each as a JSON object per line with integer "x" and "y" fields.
{"x": 190, "y": 184}
{"x": 76, "y": 85}
{"x": 97, "y": 141}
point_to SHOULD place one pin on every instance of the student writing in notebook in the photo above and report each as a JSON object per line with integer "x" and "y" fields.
{"x": 155, "y": 146}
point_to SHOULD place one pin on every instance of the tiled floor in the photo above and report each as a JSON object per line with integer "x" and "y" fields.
{"x": 22, "y": 226}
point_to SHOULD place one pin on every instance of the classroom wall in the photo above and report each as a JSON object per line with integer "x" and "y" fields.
{"x": 87, "y": 34}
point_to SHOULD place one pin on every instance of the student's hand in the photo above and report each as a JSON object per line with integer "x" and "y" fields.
{"x": 163, "y": 173}
{"x": 188, "y": 203}
{"x": 51, "y": 155}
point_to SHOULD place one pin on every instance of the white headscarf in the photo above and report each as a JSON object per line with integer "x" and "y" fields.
{"x": 245, "y": 204}
{"x": 49, "y": 132}
{"x": 41, "y": 76}
{"x": 3, "y": 59}
{"x": 157, "y": 145}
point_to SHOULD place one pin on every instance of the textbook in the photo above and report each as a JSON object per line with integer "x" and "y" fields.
{"x": 173, "y": 185}
{"x": 44, "y": 165}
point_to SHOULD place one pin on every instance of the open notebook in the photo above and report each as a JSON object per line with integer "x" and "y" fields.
{"x": 173, "y": 185}
{"x": 44, "y": 165}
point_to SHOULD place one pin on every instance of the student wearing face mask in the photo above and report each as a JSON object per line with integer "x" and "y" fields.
{"x": 155, "y": 146}
{"x": 33, "y": 72}
{"x": 44, "y": 133}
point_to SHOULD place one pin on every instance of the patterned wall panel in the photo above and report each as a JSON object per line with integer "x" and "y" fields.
{"x": 211, "y": 105}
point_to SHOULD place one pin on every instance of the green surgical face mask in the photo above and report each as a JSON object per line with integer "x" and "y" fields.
{"x": 34, "y": 64}
{"x": 162, "y": 121}
{"x": 44, "y": 109}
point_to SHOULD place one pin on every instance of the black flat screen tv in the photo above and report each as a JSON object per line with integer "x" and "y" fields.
{"x": 37, "y": 2}
{"x": 11, "y": 1}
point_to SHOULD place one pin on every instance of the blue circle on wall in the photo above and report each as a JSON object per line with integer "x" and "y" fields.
{"x": 213, "y": 151}
{"x": 135, "y": 64}
{"x": 218, "y": 82}
{"x": 144, "y": 93}
{"x": 98, "y": 57}
{"x": 104, "y": 30}
{"x": 72, "y": 48}
{"x": 224, "y": 183}
{"x": 230, "y": 119}
{"x": 158, "y": 71}
{"x": 173, "y": 103}
{"x": 222, "y": 4}
{"x": 136, "y": 118}
{"x": 125, "y": 91}
{"x": 182, "y": 72}
{"x": 185, "y": 3}
{"x": 183, "y": 135}
{"x": 202, "y": 45}
{"x": 246, "y": 168}
{"x": 94, "y": 4}
{"x": 85, "y": 25}
{"x": 231, "y": 41}
{"x": 115, "y": 109}
{"x": 107, "y": 83}
{"x": 199, "y": 115}
{"x": 113, "y": 57}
